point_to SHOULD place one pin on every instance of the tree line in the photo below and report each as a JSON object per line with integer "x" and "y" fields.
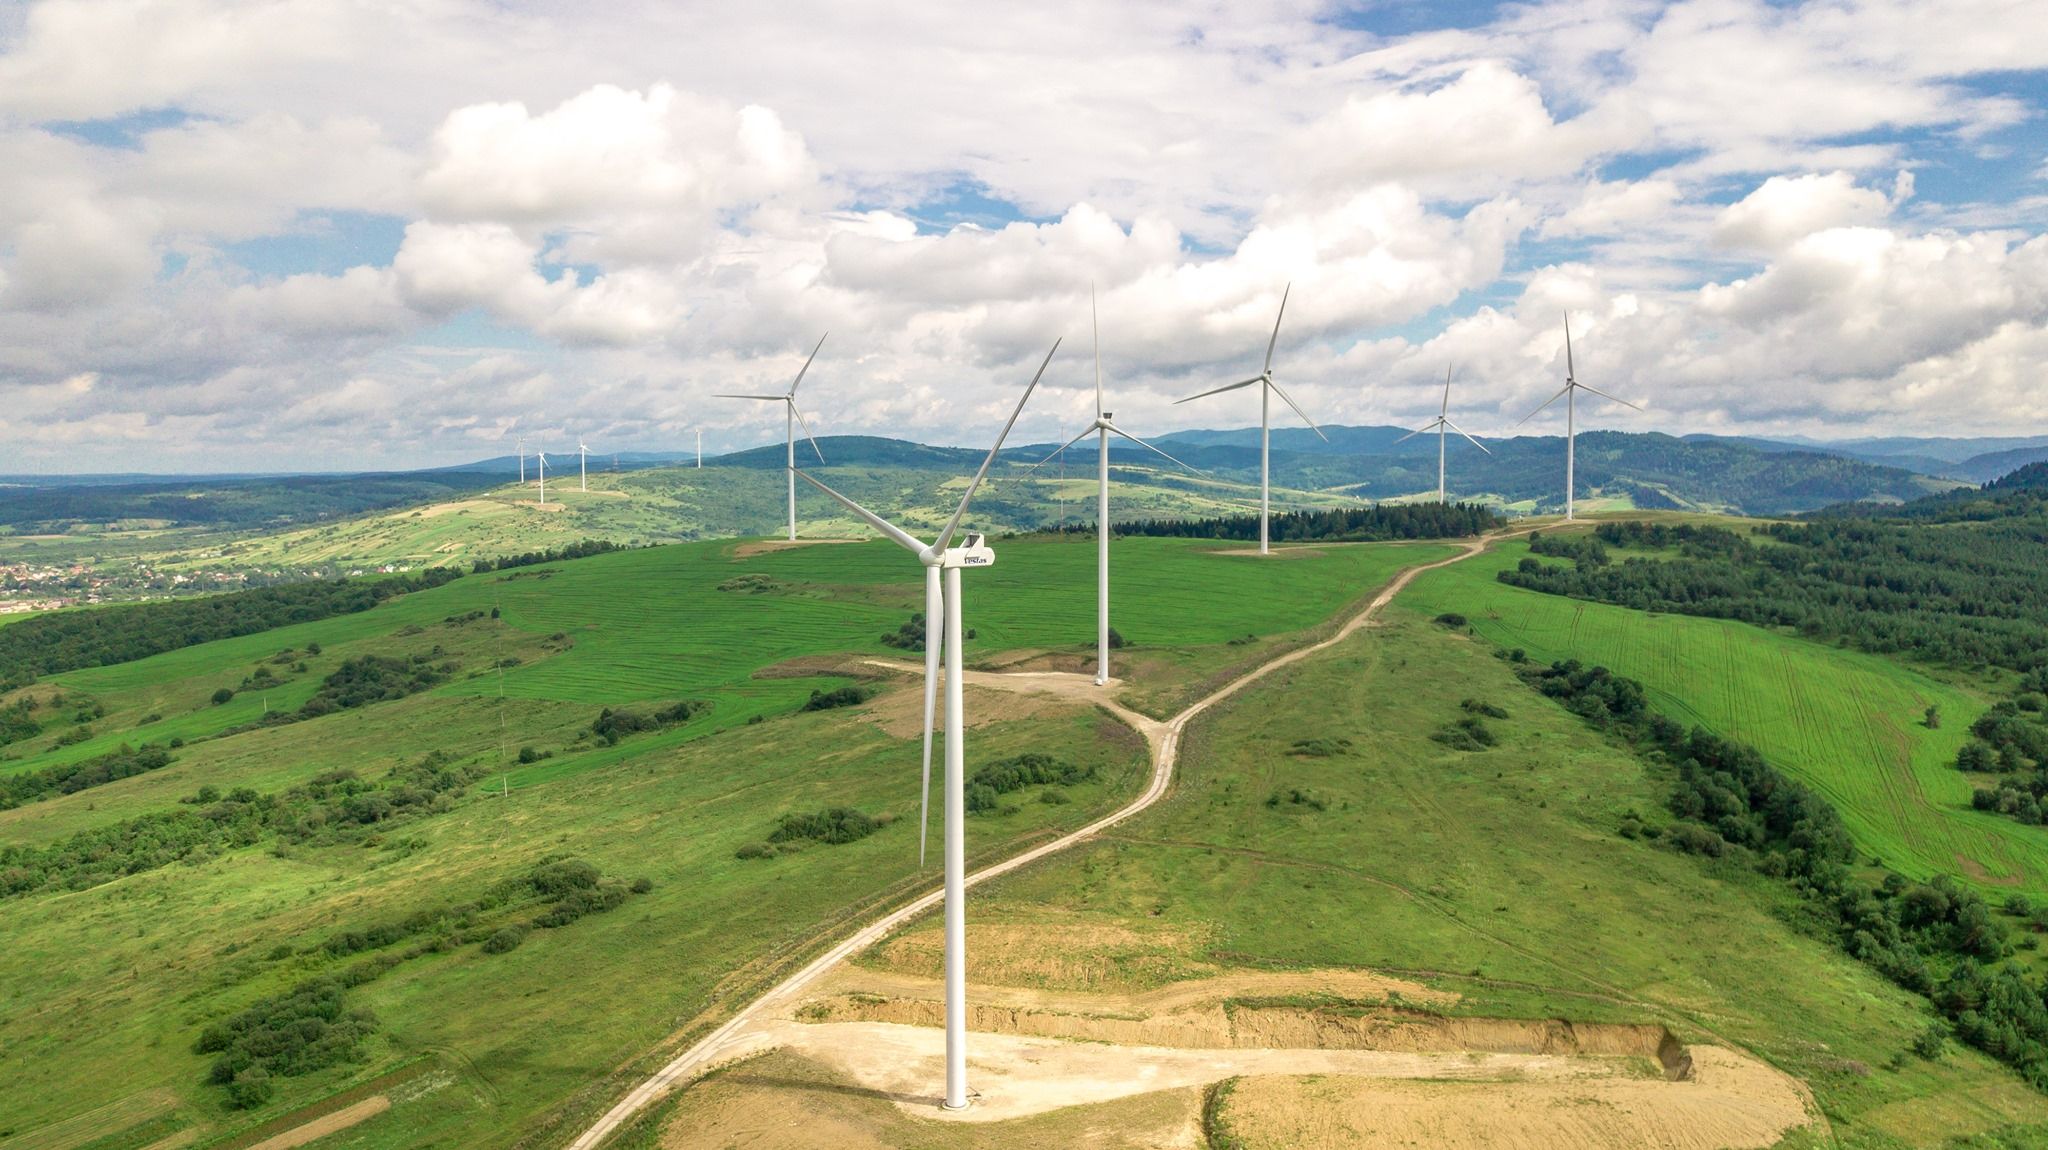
{"x": 68, "y": 640}
{"x": 1383, "y": 521}
{"x": 1934, "y": 938}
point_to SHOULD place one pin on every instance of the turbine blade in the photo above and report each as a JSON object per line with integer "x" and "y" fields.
{"x": 1418, "y": 431}
{"x": 1085, "y": 433}
{"x": 729, "y": 395}
{"x": 794, "y": 410}
{"x": 1297, "y": 410}
{"x": 1468, "y": 438}
{"x": 1095, "y": 326}
{"x": 1570, "y": 372}
{"x": 903, "y": 538}
{"x": 946, "y": 536}
{"x": 1546, "y": 403}
{"x": 1604, "y": 395}
{"x": 1154, "y": 450}
{"x": 1224, "y": 388}
{"x": 1446, "y": 408}
{"x": 934, "y": 631}
{"x": 806, "y": 367}
{"x": 1271, "y": 343}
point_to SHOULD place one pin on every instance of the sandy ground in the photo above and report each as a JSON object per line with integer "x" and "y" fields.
{"x": 1733, "y": 1103}
{"x": 326, "y": 1124}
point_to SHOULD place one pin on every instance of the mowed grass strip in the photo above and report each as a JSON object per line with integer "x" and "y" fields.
{"x": 1847, "y": 723}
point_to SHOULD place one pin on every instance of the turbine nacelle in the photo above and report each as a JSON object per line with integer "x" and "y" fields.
{"x": 973, "y": 551}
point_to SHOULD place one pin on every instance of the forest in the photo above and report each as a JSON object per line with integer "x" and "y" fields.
{"x": 69, "y": 640}
{"x": 1336, "y": 525}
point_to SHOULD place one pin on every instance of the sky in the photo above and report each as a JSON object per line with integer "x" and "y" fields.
{"x": 342, "y": 234}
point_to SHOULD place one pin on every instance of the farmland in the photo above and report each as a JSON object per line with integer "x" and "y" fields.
{"x": 1847, "y": 723}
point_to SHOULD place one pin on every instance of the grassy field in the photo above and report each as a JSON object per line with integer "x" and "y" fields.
{"x": 1847, "y": 723}
{"x": 108, "y": 987}
{"x": 658, "y": 505}
{"x": 1495, "y": 874}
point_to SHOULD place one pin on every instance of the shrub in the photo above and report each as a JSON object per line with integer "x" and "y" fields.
{"x": 528, "y": 755}
{"x": 1451, "y": 619}
{"x": 223, "y": 695}
{"x": 847, "y": 696}
{"x": 1116, "y": 640}
{"x": 988, "y": 784}
{"x": 1695, "y": 839}
{"x": 1482, "y": 707}
{"x": 642, "y": 885}
{"x": 1320, "y": 748}
{"x": 1296, "y": 797}
{"x": 506, "y": 938}
{"x": 1467, "y": 734}
{"x": 833, "y": 825}
{"x": 755, "y": 851}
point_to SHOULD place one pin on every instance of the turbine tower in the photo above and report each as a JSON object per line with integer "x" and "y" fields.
{"x": 1439, "y": 424}
{"x": 1267, "y": 389}
{"x": 941, "y": 556}
{"x": 700, "y": 449}
{"x": 1104, "y": 427}
{"x": 582, "y": 466}
{"x": 791, "y": 417}
{"x": 541, "y": 459}
{"x": 522, "y": 461}
{"x": 1570, "y": 394}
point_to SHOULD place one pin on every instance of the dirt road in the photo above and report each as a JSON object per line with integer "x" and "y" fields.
{"x": 750, "y": 1029}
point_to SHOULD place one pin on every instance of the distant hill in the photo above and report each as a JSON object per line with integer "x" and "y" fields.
{"x": 2021, "y": 493}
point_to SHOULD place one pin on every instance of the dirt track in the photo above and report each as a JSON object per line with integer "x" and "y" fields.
{"x": 745, "y": 1033}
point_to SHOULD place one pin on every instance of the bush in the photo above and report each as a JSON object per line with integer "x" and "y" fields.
{"x": 1482, "y": 707}
{"x": 1451, "y": 619}
{"x": 1467, "y": 734}
{"x": 642, "y": 885}
{"x": 507, "y": 938}
{"x": 847, "y": 696}
{"x": 986, "y": 786}
{"x": 1296, "y": 797}
{"x": 223, "y": 695}
{"x": 755, "y": 851}
{"x": 528, "y": 755}
{"x": 834, "y": 825}
{"x": 1320, "y": 748}
{"x": 1695, "y": 839}
{"x": 1116, "y": 640}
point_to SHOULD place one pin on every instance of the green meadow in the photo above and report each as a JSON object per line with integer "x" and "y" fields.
{"x": 108, "y": 987}
{"x": 1497, "y": 874}
{"x": 1847, "y": 723}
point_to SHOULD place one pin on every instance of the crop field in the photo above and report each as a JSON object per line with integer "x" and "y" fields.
{"x": 111, "y": 984}
{"x": 1847, "y": 723}
{"x": 1496, "y": 875}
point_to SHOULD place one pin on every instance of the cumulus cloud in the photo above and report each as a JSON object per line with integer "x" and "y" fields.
{"x": 1786, "y": 208}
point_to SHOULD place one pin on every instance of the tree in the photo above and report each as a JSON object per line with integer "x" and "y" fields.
{"x": 1933, "y": 718}
{"x": 223, "y": 695}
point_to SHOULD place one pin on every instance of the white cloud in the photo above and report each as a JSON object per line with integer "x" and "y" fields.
{"x": 1788, "y": 208}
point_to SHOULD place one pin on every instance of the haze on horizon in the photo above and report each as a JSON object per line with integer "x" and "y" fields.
{"x": 317, "y": 234}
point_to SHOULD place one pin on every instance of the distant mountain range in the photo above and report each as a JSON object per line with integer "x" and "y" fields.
{"x": 1717, "y": 473}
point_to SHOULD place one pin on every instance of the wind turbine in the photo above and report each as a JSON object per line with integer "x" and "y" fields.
{"x": 791, "y": 417}
{"x": 582, "y": 466}
{"x": 541, "y": 457}
{"x": 1570, "y": 393}
{"x": 1439, "y": 424}
{"x": 941, "y": 556}
{"x": 1104, "y": 427}
{"x": 700, "y": 449}
{"x": 1267, "y": 389}
{"x": 522, "y": 461}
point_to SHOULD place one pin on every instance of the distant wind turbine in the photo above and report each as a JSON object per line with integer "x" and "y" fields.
{"x": 700, "y": 449}
{"x": 522, "y": 461}
{"x": 541, "y": 458}
{"x": 1439, "y": 425}
{"x": 1570, "y": 394}
{"x": 791, "y": 417}
{"x": 1267, "y": 389}
{"x": 937, "y": 557}
{"x": 1105, "y": 427}
{"x": 582, "y": 466}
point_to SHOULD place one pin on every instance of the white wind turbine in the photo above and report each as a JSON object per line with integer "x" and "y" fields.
{"x": 1570, "y": 393}
{"x": 1104, "y": 427}
{"x": 522, "y": 461}
{"x": 700, "y": 449}
{"x": 582, "y": 466}
{"x": 791, "y": 417}
{"x": 1439, "y": 425}
{"x": 1267, "y": 389}
{"x": 944, "y": 603}
{"x": 541, "y": 459}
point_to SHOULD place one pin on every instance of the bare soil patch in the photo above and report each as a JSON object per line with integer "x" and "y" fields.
{"x": 765, "y": 546}
{"x": 1733, "y": 1102}
{"x": 326, "y": 1124}
{"x": 900, "y": 713}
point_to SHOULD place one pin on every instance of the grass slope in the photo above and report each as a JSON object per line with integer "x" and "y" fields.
{"x": 1496, "y": 874}
{"x": 1846, "y": 723}
{"x": 107, "y": 987}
